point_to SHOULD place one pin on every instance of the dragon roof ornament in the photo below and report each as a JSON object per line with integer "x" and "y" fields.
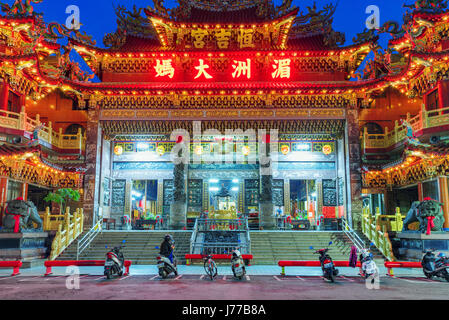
{"x": 264, "y": 9}
{"x": 20, "y": 8}
{"x": 430, "y": 6}
{"x": 51, "y": 32}
{"x": 131, "y": 23}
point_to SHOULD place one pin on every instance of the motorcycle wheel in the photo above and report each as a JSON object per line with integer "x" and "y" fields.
{"x": 109, "y": 274}
{"x": 163, "y": 273}
{"x": 446, "y": 275}
{"x": 331, "y": 277}
{"x": 428, "y": 275}
{"x": 120, "y": 273}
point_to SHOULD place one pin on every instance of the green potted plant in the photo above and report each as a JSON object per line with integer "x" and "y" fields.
{"x": 62, "y": 197}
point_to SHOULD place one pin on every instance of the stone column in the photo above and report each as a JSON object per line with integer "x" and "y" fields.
{"x": 319, "y": 198}
{"x": 178, "y": 208}
{"x": 267, "y": 220}
{"x": 92, "y": 176}
{"x": 287, "y": 202}
{"x": 355, "y": 202}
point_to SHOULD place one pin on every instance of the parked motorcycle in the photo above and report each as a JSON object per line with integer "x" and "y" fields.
{"x": 369, "y": 268}
{"x": 327, "y": 264}
{"x": 165, "y": 266}
{"x": 238, "y": 265}
{"x": 115, "y": 262}
{"x": 435, "y": 266}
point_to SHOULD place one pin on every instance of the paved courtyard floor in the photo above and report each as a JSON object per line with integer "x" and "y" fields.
{"x": 261, "y": 283}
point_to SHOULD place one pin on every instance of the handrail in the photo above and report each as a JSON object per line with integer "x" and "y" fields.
{"x": 85, "y": 241}
{"x": 193, "y": 237}
{"x": 20, "y": 121}
{"x": 221, "y": 224}
{"x": 204, "y": 225}
{"x": 378, "y": 237}
{"x": 425, "y": 119}
{"x": 64, "y": 237}
{"x": 353, "y": 236}
{"x": 248, "y": 237}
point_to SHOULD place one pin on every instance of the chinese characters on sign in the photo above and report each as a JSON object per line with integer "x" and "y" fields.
{"x": 282, "y": 69}
{"x": 222, "y": 38}
{"x": 240, "y": 69}
{"x": 164, "y": 68}
{"x": 202, "y": 70}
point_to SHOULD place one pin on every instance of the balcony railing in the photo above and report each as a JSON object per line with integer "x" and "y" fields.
{"x": 424, "y": 120}
{"x": 20, "y": 121}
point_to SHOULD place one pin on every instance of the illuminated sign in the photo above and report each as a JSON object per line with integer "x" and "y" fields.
{"x": 242, "y": 68}
{"x": 282, "y": 69}
{"x": 118, "y": 150}
{"x": 237, "y": 69}
{"x": 301, "y": 146}
{"x": 202, "y": 70}
{"x": 327, "y": 149}
{"x": 160, "y": 150}
{"x": 164, "y": 68}
{"x": 246, "y": 151}
{"x": 285, "y": 149}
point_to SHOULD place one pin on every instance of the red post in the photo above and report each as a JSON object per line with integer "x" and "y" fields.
{"x": 4, "y": 95}
{"x": 16, "y": 271}
{"x": 48, "y": 271}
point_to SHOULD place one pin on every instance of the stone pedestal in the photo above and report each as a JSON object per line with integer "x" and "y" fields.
{"x": 414, "y": 244}
{"x": 178, "y": 215}
{"x": 23, "y": 246}
{"x": 267, "y": 220}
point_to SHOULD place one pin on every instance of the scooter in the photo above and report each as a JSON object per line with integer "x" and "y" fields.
{"x": 435, "y": 267}
{"x": 369, "y": 268}
{"x": 114, "y": 262}
{"x": 165, "y": 266}
{"x": 327, "y": 264}
{"x": 238, "y": 265}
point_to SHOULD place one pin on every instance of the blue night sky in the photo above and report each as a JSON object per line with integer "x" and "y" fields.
{"x": 98, "y": 17}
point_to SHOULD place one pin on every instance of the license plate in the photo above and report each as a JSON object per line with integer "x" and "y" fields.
{"x": 109, "y": 263}
{"x": 328, "y": 265}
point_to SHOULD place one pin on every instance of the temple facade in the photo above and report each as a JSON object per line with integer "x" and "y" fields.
{"x": 229, "y": 110}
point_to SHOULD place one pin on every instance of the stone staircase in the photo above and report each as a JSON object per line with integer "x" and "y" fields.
{"x": 140, "y": 246}
{"x": 270, "y": 247}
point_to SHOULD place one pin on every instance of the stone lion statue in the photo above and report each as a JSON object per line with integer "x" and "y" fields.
{"x": 428, "y": 211}
{"x": 19, "y": 217}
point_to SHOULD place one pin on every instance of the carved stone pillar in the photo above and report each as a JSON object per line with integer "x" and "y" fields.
{"x": 178, "y": 208}
{"x": 267, "y": 220}
{"x": 355, "y": 203}
{"x": 92, "y": 176}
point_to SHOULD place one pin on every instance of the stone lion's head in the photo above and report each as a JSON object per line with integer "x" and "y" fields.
{"x": 18, "y": 207}
{"x": 429, "y": 208}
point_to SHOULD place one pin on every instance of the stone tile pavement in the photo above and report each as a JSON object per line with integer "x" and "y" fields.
{"x": 222, "y": 270}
